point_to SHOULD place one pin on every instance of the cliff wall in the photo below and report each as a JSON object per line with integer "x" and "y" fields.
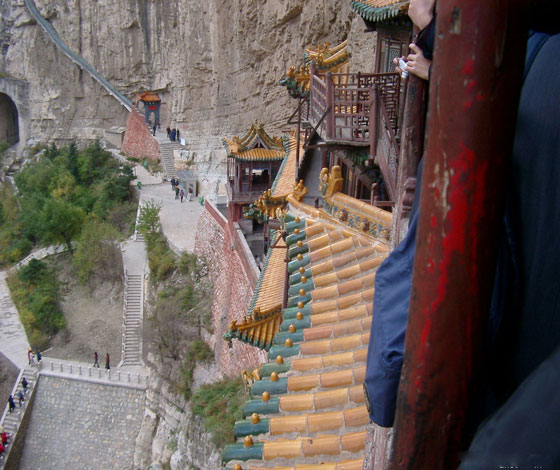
{"x": 215, "y": 63}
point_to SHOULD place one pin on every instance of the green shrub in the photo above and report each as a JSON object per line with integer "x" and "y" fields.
{"x": 35, "y": 291}
{"x": 198, "y": 351}
{"x": 220, "y": 405}
{"x": 97, "y": 251}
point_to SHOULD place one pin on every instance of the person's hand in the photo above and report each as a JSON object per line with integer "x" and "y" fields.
{"x": 417, "y": 63}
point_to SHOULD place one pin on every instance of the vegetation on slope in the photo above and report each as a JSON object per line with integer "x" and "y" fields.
{"x": 36, "y": 293}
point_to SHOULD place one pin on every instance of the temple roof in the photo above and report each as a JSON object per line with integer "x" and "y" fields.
{"x": 380, "y": 10}
{"x": 307, "y": 406}
{"x": 255, "y": 145}
{"x": 148, "y": 97}
{"x": 325, "y": 58}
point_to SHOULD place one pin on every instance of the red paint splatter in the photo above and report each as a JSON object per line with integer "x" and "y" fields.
{"x": 468, "y": 69}
{"x": 472, "y": 84}
{"x": 467, "y": 104}
{"x": 479, "y": 97}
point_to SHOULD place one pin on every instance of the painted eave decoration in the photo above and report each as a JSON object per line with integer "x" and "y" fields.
{"x": 380, "y": 10}
{"x": 255, "y": 145}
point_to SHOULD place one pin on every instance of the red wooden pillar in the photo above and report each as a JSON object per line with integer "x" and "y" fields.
{"x": 474, "y": 92}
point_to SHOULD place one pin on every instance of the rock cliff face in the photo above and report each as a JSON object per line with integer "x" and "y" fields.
{"x": 215, "y": 63}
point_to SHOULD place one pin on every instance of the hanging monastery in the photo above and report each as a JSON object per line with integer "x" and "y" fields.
{"x": 310, "y": 217}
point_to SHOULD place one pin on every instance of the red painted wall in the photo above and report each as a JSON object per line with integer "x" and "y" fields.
{"x": 138, "y": 140}
{"x": 233, "y": 290}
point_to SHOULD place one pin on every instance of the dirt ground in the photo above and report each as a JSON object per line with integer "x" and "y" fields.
{"x": 93, "y": 315}
{"x": 8, "y": 376}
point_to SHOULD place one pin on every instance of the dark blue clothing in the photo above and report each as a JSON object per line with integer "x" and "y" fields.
{"x": 390, "y": 313}
{"x": 524, "y": 321}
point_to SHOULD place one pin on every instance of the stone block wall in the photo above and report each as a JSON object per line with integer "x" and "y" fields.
{"x": 82, "y": 425}
{"x": 233, "y": 289}
{"x": 138, "y": 140}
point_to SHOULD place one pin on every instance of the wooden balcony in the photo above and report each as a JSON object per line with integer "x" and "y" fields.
{"x": 358, "y": 110}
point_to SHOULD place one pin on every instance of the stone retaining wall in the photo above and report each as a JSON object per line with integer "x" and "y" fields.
{"x": 80, "y": 425}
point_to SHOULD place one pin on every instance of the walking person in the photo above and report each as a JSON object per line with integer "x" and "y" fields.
{"x": 24, "y": 384}
{"x": 176, "y": 192}
{"x": 21, "y": 398}
{"x": 154, "y": 129}
{"x": 4, "y": 436}
{"x": 30, "y": 356}
{"x": 96, "y": 359}
{"x": 172, "y": 184}
{"x": 11, "y": 403}
{"x": 182, "y": 195}
{"x": 178, "y": 133}
{"x": 39, "y": 357}
{"x": 107, "y": 362}
{"x": 168, "y": 132}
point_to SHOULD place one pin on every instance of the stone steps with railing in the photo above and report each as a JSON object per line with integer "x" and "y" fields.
{"x": 10, "y": 422}
{"x": 131, "y": 353}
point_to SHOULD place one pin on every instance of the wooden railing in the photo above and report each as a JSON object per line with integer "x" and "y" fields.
{"x": 359, "y": 110}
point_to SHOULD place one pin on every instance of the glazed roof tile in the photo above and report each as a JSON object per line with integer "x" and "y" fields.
{"x": 255, "y": 145}
{"x": 309, "y": 399}
{"x": 380, "y": 10}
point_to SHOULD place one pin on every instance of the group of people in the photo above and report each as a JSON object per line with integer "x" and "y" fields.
{"x": 19, "y": 395}
{"x": 179, "y": 192}
{"x": 96, "y": 360}
{"x": 31, "y": 356}
{"x": 173, "y": 134}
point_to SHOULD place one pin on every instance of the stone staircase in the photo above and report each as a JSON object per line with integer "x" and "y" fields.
{"x": 132, "y": 321}
{"x": 11, "y": 421}
{"x": 166, "y": 149}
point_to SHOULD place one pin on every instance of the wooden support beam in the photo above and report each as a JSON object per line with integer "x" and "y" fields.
{"x": 476, "y": 78}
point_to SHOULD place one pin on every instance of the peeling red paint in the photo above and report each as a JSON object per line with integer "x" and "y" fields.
{"x": 471, "y": 85}
{"x": 468, "y": 69}
{"x": 467, "y": 104}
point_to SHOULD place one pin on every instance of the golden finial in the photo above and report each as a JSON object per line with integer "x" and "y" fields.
{"x": 300, "y": 243}
{"x": 292, "y": 328}
{"x": 300, "y": 304}
{"x": 265, "y": 396}
{"x": 255, "y": 418}
{"x": 298, "y": 220}
{"x": 248, "y": 441}
{"x": 279, "y": 360}
{"x": 299, "y": 257}
{"x": 296, "y": 231}
{"x": 301, "y": 270}
{"x": 274, "y": 376}
{"x": 299, "y": 316}
{"x": 303, "y": 279}
{"x": 302, "y": 292}
{"x": 288, "y": 343}
{"x": 237, "y": 467}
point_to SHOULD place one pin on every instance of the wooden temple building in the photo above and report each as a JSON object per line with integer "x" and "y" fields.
{"x": 330, "y": 226}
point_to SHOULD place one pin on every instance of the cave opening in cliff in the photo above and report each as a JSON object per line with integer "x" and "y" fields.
{"x": 9, "y": 128}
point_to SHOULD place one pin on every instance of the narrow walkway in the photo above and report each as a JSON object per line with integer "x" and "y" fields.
{"x": 166, "y": 148}
{"x": 77, "y": 59}
{"x": 13, "y": 340}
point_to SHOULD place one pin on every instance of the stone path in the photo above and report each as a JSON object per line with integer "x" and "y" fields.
{"x": 132, "y": 328}
{"x": 178, "y": 220}
{"x": 13, "y": 340}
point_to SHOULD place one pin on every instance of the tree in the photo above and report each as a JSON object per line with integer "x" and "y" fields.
{"x": 60, "y": 222}
{"x": 97, "y": 250}
{"x": 148, "y": 222}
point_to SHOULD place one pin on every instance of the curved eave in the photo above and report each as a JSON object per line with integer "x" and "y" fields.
{"x": 378, "y": 14}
